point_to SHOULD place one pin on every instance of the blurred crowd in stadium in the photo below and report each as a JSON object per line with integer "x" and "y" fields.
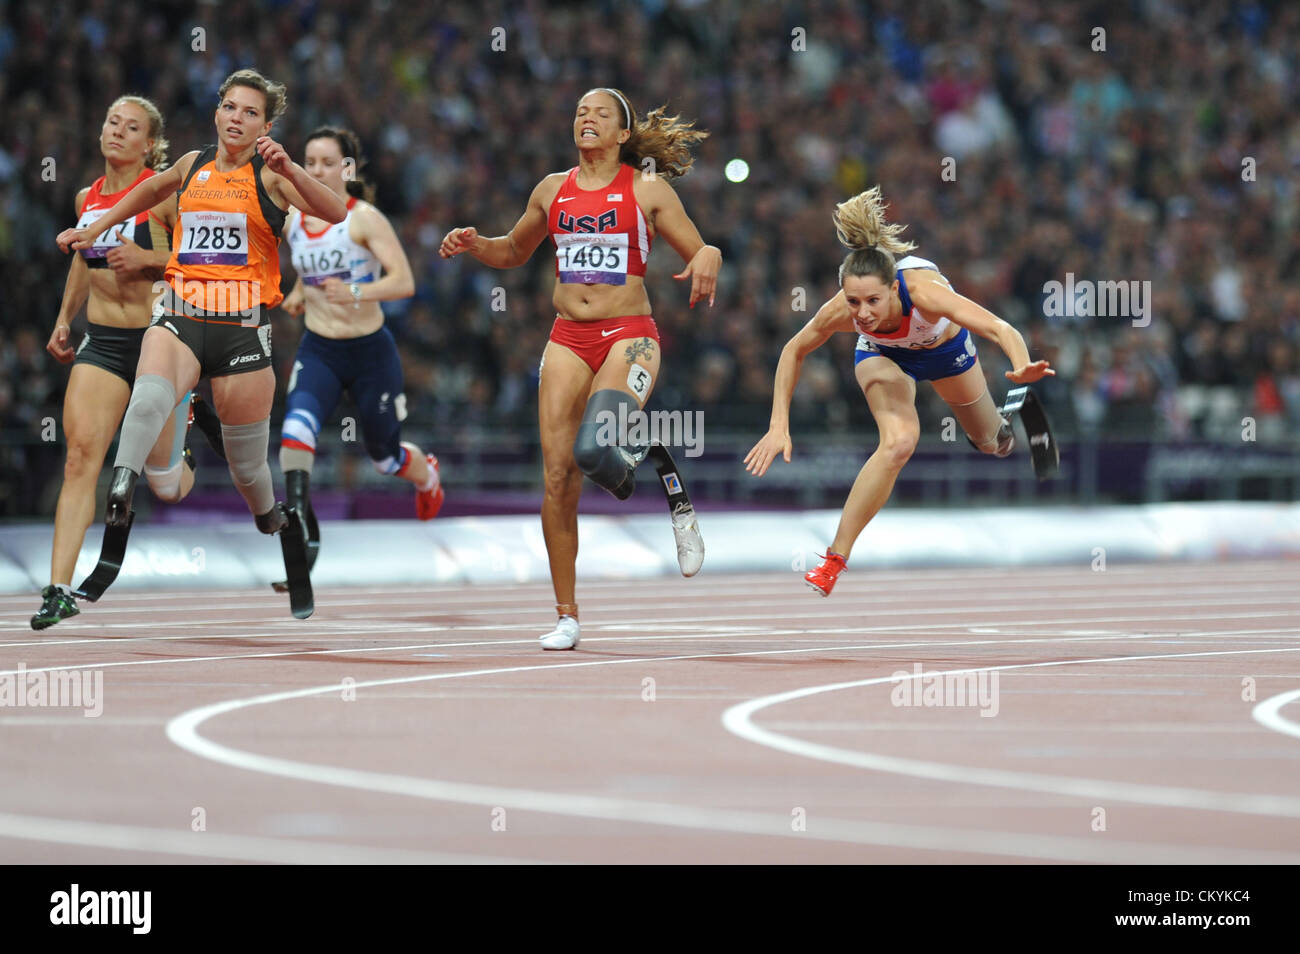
{"x": 1164, "y": 149}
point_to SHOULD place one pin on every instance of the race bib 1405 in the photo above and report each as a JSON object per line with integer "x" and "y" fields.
{"x": 589, "y": 258}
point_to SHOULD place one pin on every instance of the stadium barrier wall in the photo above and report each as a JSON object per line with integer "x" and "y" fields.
{"x": 509, "y": 549}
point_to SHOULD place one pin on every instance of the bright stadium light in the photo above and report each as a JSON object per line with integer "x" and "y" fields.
{"x": 737, "y": 170}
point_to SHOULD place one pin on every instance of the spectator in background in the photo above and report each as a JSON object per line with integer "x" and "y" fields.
{"x": 1182, "y": 94}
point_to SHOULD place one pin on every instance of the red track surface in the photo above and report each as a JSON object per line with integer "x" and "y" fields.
{"x": 1122, "y": 702}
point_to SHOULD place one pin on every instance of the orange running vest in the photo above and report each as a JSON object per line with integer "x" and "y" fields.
{"x": 225, "y": 245}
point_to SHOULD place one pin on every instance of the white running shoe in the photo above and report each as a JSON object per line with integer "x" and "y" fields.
{"x": 565, "y": 635}
{"x": 690, "y": 545}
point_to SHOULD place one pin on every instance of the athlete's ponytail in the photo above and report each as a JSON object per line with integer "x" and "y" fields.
{"x": 664, "y": 140}
{"x": 350, "y": 147}
{"x": 860, "y": 224}
{"x": 156, "y": 158}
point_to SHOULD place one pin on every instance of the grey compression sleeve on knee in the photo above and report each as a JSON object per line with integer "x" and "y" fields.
{"x": 598, "y": 448}
{"x": 246, "y": 446}
{"x": 152, "y": 400}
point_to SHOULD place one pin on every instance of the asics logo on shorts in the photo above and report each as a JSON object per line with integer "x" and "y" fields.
{"x": 243, "y": 359}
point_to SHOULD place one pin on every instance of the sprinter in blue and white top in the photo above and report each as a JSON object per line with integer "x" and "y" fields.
{"x": 911, "y": 327}
{"x": 345, "y": 345}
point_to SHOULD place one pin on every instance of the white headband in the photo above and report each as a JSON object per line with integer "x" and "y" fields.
{"x": 627, "y": 112}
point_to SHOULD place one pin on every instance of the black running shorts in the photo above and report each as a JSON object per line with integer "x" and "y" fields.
{"x": 116, "y": 350}
{"x": 224, "y": 343}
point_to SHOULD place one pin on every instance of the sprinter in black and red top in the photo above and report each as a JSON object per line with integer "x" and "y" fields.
{"x": 603, "y": 358}
{"x": 112, "y": 279}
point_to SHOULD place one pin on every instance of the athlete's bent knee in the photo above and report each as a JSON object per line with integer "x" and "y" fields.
{"x": 77, "y": 464}
{"x": 897, "y": 448}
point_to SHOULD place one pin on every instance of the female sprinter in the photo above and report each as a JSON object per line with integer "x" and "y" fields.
{"x": 603, "y": 355}
{"x": 911, "y": 327}
{"x": 223, "y": 278}
{"x": 113, "y": 279}
{"x": 345, "y": 343}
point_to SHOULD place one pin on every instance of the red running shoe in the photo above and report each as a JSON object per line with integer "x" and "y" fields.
{"x": 429, "y": 502}
{"x": 822, "y": 579}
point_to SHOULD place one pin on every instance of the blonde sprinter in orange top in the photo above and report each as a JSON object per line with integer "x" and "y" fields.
{"x": 232, "y": 202}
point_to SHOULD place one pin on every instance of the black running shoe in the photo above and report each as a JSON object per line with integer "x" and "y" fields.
{"x": 57, "y": 605}
{"x": 208, "y": 423}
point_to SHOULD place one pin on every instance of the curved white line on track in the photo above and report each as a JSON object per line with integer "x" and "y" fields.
{"x": 739, "y": 720}
{"x": 1267, "y": 713}
{"x": 170, "y": 841}
{"x": 183, "y": 731}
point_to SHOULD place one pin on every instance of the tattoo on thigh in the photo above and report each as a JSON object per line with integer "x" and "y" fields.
{"x": 636, "y": 349}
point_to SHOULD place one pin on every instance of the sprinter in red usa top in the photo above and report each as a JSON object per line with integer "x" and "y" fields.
{"x": 603, "y": 357}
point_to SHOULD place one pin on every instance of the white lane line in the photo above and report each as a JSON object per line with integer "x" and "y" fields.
{"x": 916, "y": 620}
{"x": 496, "y": 643}
{"x": 183, "y": 731}
{"x": 469, "y": 600}
{"x": 218, "y": 845}
{"x": 1116, "y": 573}
{"x": 739, "y": 720}
{"x": 912, "y": 626}
{"x": 1268, "y": 713}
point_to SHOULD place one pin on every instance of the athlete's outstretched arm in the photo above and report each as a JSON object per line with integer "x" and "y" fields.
{"x": 516, "y": 246}
{"x": 703, "y": 262}
{"x": 938, "y": 299}
{"x": 831, "y": 317}
{"x": 144, "y": 196}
